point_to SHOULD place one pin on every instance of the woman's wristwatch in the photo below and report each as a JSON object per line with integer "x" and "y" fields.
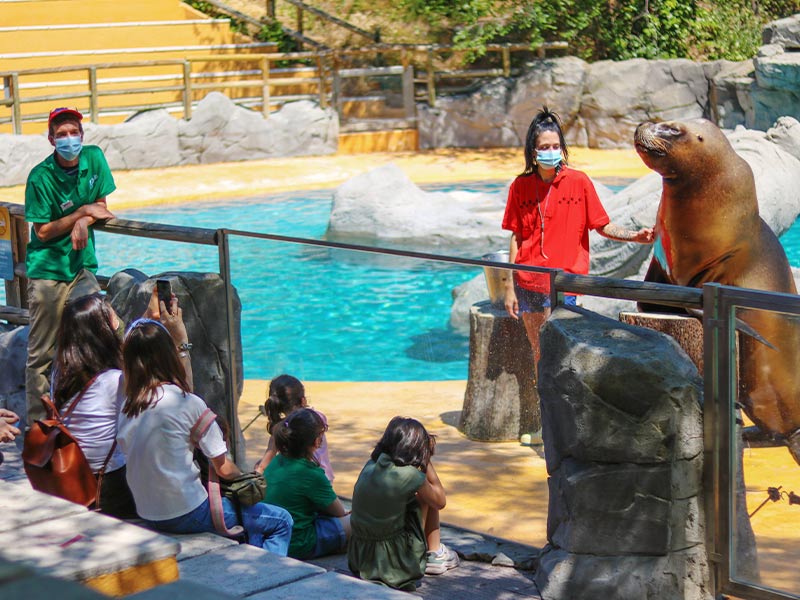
{"x": 183, "y": 349}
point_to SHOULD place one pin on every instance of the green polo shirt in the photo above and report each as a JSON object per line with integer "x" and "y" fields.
{"x": 50, "y": 194}
{"x": 299, "y": 486}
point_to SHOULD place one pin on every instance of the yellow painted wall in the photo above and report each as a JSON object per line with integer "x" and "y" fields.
{"x": 58, "y": 12}
{"x": 133, "y": 36}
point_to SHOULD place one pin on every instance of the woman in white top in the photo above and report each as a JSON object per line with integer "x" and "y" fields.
{"x": 86, "y": 369}
{"x": 154, "y": 432}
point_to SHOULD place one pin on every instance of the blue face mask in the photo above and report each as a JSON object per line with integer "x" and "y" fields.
{"x": 549, "y": 158}
{"x": 69, "y": 147}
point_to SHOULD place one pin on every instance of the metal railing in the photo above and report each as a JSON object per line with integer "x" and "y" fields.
{"x": 719, "y": 354}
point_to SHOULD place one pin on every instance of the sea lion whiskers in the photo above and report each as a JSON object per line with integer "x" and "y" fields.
{"x": 646, "y": 140}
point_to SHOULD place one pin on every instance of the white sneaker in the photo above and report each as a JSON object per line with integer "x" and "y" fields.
{"x": 531, "y": 439}
{"x": 441, "y": 561}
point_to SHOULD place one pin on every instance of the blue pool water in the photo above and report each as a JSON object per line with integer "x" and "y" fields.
{"x": 322, "y": 315}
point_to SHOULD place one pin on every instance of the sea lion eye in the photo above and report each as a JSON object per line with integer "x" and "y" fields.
{"x": 699, "y": 138}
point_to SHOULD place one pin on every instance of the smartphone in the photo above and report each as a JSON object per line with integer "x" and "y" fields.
{"x": 164, "y": 289}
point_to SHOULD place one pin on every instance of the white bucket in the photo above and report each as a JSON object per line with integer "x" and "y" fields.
{"x": 496, "y": 279}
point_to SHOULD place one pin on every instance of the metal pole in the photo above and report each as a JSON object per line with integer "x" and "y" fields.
{"x": 300, "y": 27}
{"x": 506, "y": 61}
{"x": 271, "y": 9}
{"x": 321, "y": 76}
{"x": 408, "y": 92}
{"x": 233, "y": 347}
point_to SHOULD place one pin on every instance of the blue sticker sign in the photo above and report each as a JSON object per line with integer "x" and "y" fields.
{"x": 6, "y": 255}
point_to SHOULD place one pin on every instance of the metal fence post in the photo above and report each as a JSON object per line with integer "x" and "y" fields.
{"x": 408, "y": 92}
{"x": 187, "y": 90}
{"x": 506, "y": 61}
{"x": 712, "y": 399}
{"x": 233, "y": 349}
{"x": 271, "y": 9}
{"x": 93, "y": 95}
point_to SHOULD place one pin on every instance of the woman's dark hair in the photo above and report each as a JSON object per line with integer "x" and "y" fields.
{"x": 86, "y": 344}
{"x": 149, "y": 359}
{"x": 545, "y": 120}
{"x": 407, "y": 442}
{"x": 285, "y": 396}
{"x": 296, "y": 434}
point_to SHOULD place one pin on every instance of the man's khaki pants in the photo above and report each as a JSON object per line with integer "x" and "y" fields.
{"x": 46, "y": 300}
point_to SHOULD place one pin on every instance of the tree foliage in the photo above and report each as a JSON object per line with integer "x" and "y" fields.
{"x": 608, "y": 29}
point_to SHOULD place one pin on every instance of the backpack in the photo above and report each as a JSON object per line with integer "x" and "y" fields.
{"x": 53, "y": 459}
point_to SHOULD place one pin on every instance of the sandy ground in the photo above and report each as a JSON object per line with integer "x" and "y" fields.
{"x": 260, "y": 177}
{"x": 496, "y": 488}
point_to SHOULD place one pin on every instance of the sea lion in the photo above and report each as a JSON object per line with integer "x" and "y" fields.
{"x": 708, "y": 230}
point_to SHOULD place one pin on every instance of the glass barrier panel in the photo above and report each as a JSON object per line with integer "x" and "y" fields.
{"x": 371, "y": 336}
{"x": 765, "y": 478}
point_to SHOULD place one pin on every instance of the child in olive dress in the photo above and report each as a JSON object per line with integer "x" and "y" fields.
{"x": 395, "y": 517}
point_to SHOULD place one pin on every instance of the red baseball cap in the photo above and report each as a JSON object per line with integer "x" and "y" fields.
{"x": 56, "y": 112}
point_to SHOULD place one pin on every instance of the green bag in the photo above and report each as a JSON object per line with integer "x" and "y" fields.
{"x": 246, "y": 490}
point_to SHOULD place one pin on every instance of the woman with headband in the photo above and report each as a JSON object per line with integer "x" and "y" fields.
{"x": 156, "y": 434}
{"x": 550, "y": 210}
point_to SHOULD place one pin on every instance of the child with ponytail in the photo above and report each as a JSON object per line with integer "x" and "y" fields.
{"x": 286, "y": 395}
{"x": 296, "y": 482}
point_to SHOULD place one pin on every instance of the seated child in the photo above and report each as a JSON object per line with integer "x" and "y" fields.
{"x": 296, "y": 482}
{"x": 396, "y": 503}
{"x": 286, "y": 394}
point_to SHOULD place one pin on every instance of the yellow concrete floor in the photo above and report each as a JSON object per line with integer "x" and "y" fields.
{"x": 496, "y": 488}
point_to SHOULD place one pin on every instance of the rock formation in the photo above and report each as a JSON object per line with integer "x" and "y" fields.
{"x": 623, "y": 434}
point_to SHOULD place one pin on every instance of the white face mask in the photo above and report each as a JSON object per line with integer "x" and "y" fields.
{"x": 69, "y": 147}
{"x": 549, "y": 158}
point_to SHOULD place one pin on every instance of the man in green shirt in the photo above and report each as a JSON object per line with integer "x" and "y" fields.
{"x": 64, "y": 196}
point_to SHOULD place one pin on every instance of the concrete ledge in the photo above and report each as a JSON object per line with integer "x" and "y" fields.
{"x": 180, "y": 590}
{"x": 109, "y": 555}
{"x": 245, "y": 570}
{"x": 22, "y": 506}
{"x": 331, "y": 586}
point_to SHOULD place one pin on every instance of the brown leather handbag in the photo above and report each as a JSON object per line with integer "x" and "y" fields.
{"x": 54, "y": 461}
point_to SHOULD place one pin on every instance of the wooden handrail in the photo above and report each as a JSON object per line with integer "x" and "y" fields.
{"x": 328, "y": 70}
{"x": 373, "y": 37}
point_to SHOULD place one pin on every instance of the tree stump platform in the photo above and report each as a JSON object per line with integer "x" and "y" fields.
{"x": 501, "y": 402}
{"x": 686, "y": 330}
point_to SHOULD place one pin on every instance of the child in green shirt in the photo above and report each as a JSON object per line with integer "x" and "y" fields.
{"x": 296, "y": 482}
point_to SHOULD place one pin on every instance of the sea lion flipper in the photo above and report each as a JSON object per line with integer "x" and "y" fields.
{"x": 656, "y": 274}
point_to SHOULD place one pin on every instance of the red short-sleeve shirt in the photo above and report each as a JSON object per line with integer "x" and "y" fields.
{"x": 569, "y": 207}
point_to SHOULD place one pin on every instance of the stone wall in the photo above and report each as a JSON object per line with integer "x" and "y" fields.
{"x": 623, "y": 434}
{"x": 219, "y": 131}
{"x": 601, "y": 103}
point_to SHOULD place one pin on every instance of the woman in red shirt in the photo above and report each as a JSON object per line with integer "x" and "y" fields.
{"x": 550, "y": 210}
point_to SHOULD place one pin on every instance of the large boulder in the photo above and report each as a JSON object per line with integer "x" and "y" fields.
{"x": 618, "y": 96}
{"x": 19, "y": 154}
{"x": 147, "y": 140}
{"x": 473, "y": 121}
{"x": 557, "y": 83}
{"x": 202, "y": 298}
{"x": 623, "y": 433}
{"x": 219, "y": 131}
{"x": 777, "y": 75}
{"x": 384, "y": 206}
{"x": 13, "y": 355}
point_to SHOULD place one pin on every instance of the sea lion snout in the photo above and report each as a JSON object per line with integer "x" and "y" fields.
{"x": 655, "y": 138}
